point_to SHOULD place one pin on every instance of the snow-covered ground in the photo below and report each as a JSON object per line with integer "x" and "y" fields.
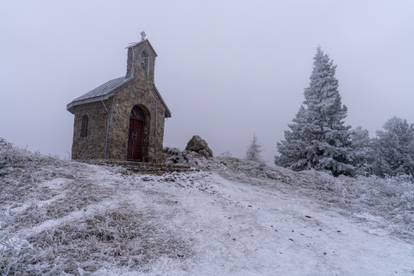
{"x": 232, "y": 218}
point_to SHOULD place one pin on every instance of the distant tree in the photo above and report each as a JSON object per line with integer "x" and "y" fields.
{"x": 395, "y": 149}
{"x": 363, "y": 154}
{"x": 318, "y": 137}
{"x": 254, "y": 151}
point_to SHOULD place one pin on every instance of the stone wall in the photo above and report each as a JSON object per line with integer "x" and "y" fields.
{"x": 141, "y": 93}
{"x": 108, "y": 129}
{"x": 138, "y": 92}
{"x": 93, "y": 145}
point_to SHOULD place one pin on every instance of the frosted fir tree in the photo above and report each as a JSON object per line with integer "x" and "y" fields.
{"x": 318, "y": 137}
{"x": 363, "y": 153}
{"x": 395, "y": 149}
{"x": 254, "y": 151}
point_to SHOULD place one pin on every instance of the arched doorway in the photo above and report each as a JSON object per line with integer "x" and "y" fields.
{"x": 137, "y": 142}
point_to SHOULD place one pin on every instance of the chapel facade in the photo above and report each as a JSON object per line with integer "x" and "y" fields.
{"x": 123, "y": 119}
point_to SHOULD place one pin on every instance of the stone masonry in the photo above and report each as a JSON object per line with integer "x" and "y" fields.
{"x": 108, "y": 109}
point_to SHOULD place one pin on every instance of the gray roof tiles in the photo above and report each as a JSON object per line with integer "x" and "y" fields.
{"x": 99, "y": 93}
{"x": 107, "y": 90}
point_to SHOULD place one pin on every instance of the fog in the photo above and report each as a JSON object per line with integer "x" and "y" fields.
{"x": 226, "y": 69}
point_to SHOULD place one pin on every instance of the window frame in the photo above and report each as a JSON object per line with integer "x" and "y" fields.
{"x": 84, "y": 126}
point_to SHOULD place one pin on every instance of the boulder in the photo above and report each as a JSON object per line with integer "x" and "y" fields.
{"x": 200, "y": 146}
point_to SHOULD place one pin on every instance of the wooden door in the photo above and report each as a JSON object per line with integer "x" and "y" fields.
{"x": 136, "y": 140}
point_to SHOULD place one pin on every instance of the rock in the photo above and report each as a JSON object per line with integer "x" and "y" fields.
{"x": 197, "y": 144}
{"x": 175, "y": 156}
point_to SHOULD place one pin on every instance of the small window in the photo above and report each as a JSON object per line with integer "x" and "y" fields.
{"x": 144, "y": 61}
{"x": 84, "y": 126}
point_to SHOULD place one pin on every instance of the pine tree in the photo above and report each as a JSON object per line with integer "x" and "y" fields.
{"x": 395, "y": 149}
{"x": 363, "y": 154}
{"x": 318, "y": 137}
{"x": 254, "y": 151}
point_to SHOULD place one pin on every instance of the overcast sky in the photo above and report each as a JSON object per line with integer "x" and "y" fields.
{"x": 226, "y": 69}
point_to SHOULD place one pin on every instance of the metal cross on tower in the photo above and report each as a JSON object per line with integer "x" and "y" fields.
{"x": 143, "y": 36}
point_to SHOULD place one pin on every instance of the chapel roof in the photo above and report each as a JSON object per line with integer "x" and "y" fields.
{"x": 109, "y": 88}
{"x": 100, "y": 93}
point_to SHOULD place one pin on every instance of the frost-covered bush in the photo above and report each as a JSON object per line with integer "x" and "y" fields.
{"x": 175, "y": 156}
{"x": 390, "y": 198}
{"x": 60, "y": 218}
{"x": 120, "y": 237}
{"x": 21, "y": 171}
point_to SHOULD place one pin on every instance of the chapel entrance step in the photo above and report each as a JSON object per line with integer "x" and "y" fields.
{"x": 144, "y": 167}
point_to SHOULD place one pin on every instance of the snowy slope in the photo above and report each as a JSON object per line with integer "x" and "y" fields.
{"x": 65, "y": 217}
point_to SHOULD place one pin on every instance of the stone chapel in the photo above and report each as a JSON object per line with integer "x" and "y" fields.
{"x": 123, "y": 119}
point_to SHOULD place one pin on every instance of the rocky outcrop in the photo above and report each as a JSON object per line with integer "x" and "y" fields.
{"x": 200, "y": 146}
{"x": 175, "y": 156}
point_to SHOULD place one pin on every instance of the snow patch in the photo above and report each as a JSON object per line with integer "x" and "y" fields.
{"x": 234, "y": 218}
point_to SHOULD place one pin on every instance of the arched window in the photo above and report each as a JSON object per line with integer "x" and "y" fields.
{"x": 84, "y": 126}
{"x": 144, "y": 61}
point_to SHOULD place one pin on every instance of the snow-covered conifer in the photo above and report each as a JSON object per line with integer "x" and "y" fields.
{"x": 254, "y": 151}
{"x": 318, "y": 137}
{"x": 395, "y": 148}
{"x": 363, "y": 154}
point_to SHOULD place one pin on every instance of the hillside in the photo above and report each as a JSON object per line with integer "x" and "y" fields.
{"x": 229, "y": 217}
